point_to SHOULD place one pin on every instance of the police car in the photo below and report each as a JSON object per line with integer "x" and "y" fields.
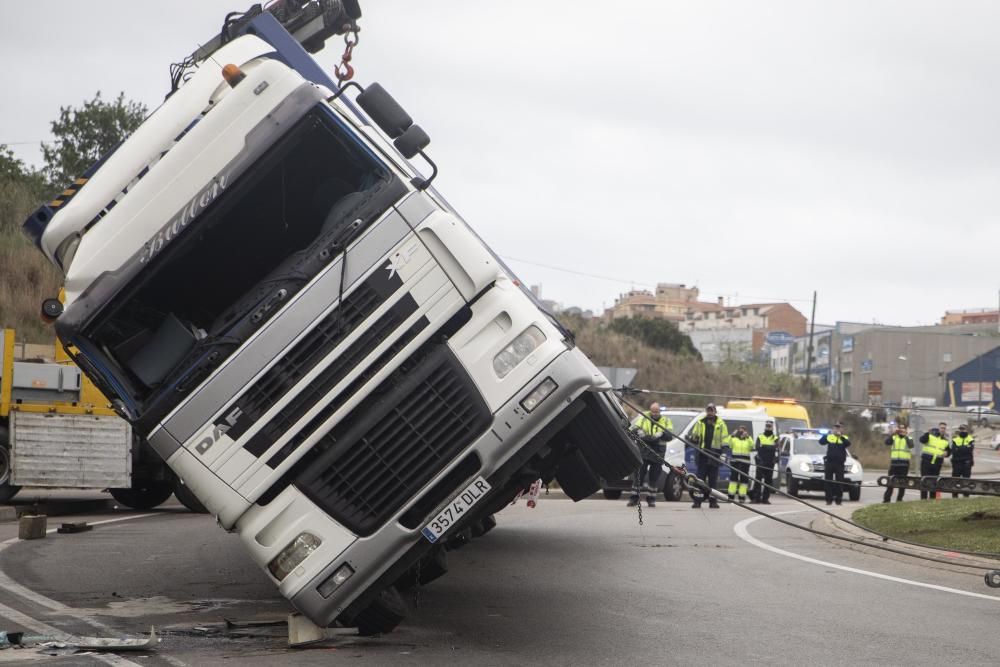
{"x": 801, "y": 464}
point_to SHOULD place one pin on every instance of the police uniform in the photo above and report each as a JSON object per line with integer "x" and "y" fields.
{"x": 961, "y": 449}
{"x": 833, "y": 466}
{"x": 899, "y": 462}
{"x": 766, "y": 448}
{"x": 711, "y": 435}
{"x": 655, "y": 435}
{"x": 740, "y": 445}
{"x": 934, "y": 449}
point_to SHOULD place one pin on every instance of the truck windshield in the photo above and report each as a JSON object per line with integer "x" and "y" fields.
{"x": 260, "y": 241}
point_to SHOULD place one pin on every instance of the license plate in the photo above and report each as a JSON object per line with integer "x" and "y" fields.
{"x": 454, "y": 510}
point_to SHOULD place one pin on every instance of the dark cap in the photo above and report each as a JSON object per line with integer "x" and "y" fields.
{"x": 838, "y": 425}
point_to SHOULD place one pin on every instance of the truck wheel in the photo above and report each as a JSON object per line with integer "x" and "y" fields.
{"x": 855, "y": 492}
{"x": 603, "y": 440}
{"x": 144, "y": 494}
{"x": 383, "y": 615}
{"x": 792, "y": 484}
{"x": 431, "y": 566}
{"x": 612, "y": 494}
{"x": 484, "y": 525}
{"x": 7, "y": 490}
{"x": 673, "y": 487}
{"x": 187, "y": 498}
{"x": 575, "y": 477}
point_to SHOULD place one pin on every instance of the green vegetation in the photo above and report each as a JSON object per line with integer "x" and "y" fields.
{"x": 82, "y": 135}
{"x": 966, "y": 524}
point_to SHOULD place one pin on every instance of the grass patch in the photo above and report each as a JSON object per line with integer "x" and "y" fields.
{"x": 966, "y": 524}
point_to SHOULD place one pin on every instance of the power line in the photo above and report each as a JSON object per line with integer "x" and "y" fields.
{"x": 639, "y": 282}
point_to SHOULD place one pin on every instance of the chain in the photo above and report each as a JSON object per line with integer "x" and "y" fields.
{"x": 344, "y": 71}
{"x": 638, "y": 509}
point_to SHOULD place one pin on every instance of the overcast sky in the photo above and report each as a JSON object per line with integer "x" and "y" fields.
{"x": 758, "y": 150}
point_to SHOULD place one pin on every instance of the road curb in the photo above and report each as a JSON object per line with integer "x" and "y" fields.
{"x": 962, "y": 562}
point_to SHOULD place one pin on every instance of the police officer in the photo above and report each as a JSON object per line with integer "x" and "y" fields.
{"x": 741, "y": 445}
{"x": 766, "y": 448}
{"x": 836, "y": 444}
{"x": 653, "y": 428}
{"x": 960, "y": 450}
{"x": 932, "y": 453}
{"x": 710, "y": 434}
{"x": 900, "y": 445}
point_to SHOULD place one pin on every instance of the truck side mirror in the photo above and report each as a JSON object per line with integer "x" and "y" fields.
{"x": 412, "y": 141}
{"x": 384, "y": 110}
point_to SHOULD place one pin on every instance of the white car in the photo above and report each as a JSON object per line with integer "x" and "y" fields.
{"x": 801, "y": 464}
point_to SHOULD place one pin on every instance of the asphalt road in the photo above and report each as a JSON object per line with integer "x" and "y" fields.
{"x": 563, "y": 583}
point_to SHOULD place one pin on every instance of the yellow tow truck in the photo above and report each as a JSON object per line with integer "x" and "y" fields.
{"x": 57, "y": 430}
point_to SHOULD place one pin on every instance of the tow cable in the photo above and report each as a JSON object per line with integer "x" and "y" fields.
{"x": 992, "y": 576}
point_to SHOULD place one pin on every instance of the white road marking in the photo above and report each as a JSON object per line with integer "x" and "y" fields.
{"x": 41, "y": 628}
{"x": 6, "y": 583}
{"x": 11, "y": 586}
{"x": 741, "y": 531}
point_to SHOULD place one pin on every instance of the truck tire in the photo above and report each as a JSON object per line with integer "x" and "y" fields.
{"x": 598, "y": 433}
{"x": 792, "y": 484}
{"x": 383, "y": 615}
{"x": 144, "y": 494}
{"x": 484, "y": 525}
{"x": 855, "y": 492}
{"x": 673, "y": 487}
{"x": 186, "y": 498}
{"x": 7, "y": 490}
{"x": 431, "y": 566}
{"x": 612, "y": 494}
{"x": 575, "y": 477}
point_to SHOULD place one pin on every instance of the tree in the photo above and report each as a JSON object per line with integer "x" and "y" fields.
{"x": 84, "y": 134}
{"x": 660, "y": 334}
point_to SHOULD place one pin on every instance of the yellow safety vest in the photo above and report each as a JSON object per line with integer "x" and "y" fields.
{"x": 767, "y": 440}
{"x": 934, "y": 447}
{"x": 720, "y": 438}
{"x": 959, "y": 441}
{"x": 649, "y": 427}
{"x": 900, "y": 450}
{"x": 741, "y": 446}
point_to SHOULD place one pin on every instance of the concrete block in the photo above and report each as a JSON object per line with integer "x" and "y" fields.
{"x": 32, "y": 527}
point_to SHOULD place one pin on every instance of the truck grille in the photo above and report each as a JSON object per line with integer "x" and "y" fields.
{"x": 309, "y": 351}
{"x": 374, "y": 461}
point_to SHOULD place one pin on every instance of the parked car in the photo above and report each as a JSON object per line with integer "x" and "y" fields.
{"x": 801, "y": 463}
{"x": 983, "y": 416}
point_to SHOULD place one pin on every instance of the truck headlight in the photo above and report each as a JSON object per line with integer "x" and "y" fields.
{"x": 335, "y": 580}
{"x": 292, "y": 555}
{"x": 855, "y": 468}
{"x": 517, "y": 351}
{"x": 539, "y": 394}
{"x": 805, "y": 466}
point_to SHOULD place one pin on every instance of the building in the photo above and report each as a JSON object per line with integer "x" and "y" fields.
{"x": 670, "y": 301}
{"x": 760, "y": 319}
{"x": 971, "y": 316}
{"x": 719, "y": 345}
{"x": 895, "y": 365}
{"x": 976, "y": 382}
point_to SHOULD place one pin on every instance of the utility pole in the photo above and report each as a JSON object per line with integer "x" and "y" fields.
{"x": 809, "y": 348}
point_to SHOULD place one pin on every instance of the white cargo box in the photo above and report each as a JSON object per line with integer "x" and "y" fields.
{"x": 70, "y": 451}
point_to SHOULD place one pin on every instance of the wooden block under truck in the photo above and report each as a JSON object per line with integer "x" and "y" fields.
{"x": 330, "y": 358}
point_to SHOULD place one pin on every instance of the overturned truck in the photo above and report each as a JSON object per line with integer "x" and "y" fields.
{"x": 314, "y": 341}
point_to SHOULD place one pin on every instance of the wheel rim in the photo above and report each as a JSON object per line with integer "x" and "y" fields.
{"x": 4, "y": 466}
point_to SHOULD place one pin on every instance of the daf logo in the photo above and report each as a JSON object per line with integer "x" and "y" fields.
{"x": 220, "y": 429}
{"x": 400, "y": 259}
